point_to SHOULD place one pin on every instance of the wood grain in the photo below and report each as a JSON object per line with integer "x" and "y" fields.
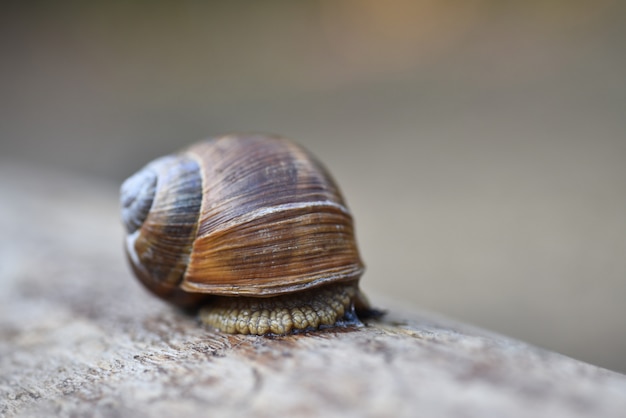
{"x": 80, "y": 337}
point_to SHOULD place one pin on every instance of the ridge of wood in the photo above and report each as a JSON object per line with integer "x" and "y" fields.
{"x": 80, "y": 337}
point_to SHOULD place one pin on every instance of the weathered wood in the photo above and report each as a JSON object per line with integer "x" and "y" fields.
{"x": 79, "y": 337}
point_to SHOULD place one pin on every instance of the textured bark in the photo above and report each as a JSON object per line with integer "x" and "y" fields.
{"x": 80, "y": 337}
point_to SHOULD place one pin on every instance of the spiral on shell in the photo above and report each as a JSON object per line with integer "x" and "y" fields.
{"x": 238, "y": 216}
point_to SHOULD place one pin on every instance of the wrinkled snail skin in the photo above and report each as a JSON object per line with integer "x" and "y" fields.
{"x": 252, "y": 229}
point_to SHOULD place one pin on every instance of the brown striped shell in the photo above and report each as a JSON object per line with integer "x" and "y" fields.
{"x": 248, "y": 215}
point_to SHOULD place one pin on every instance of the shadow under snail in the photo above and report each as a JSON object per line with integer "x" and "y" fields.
{"x": 250, "y": 229}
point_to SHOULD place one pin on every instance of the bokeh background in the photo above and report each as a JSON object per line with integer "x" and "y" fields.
{"x": 480, "y": 144}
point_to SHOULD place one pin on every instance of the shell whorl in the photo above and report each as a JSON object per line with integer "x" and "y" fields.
{"x": 160, "y": 209}
{"x": 273, "y": 221}
{"x": 137, "y": 194}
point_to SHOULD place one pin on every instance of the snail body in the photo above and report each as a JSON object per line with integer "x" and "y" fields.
{"x": 250, "y": 228}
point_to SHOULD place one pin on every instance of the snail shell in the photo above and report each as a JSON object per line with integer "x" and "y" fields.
{"x": 252, "y": 228}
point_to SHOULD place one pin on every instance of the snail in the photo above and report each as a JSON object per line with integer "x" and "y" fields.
{"x": 250, "y": 230}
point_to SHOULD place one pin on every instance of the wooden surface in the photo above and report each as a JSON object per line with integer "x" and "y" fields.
{"x": 80, "y": 337}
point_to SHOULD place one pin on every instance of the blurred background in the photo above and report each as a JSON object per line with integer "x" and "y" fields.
{"x": 480, "y": 144}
